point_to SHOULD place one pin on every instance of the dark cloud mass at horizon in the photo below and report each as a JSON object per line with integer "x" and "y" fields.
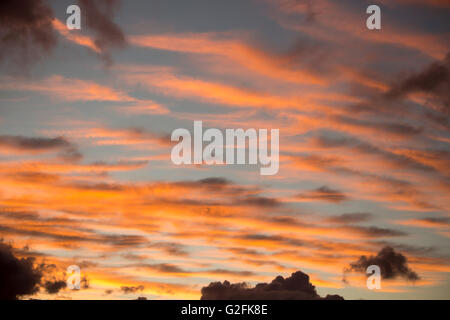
{"x": 295, "y": 287}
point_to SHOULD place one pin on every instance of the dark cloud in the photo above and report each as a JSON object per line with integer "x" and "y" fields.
{"x": 437, "y": 221}
{"x": 26, "y": 31}
{"x": 163, "y": 267}
{"x": 33, "y": 144}
{"x": 259, "y": 202}
{"x": 68, "y": 150}
{"x": 53, "y": 287}
{"x": 127, "y": 289}
{"x": 124, "y": 240}
{"x": 231, "y": 272}
{"x": 18, "y": 276}
{"x": 108, "y": 34}
{"x": 434, "y": 80}
{"x": 375, "y": 232}
{"x": 392, "y": 265}
{"x": 350, "y": 218}
{"x": 214, "y": 181}
{"x": 170, "y": 248}
{"x": 295, "y": 287}
{"x": 323, "y": 193}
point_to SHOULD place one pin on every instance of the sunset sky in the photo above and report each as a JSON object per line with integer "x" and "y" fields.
{"x": 86, "y": 116}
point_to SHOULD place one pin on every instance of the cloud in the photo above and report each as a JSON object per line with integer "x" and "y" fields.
{"x": 434, "y": 80}
{"x": 295, "y": 287}
{"x": 259, "y": 202}
{"x": 131, "y": 289}
{"x": 350, "y": 217}
{"x": 323, "y": 193}
{"x": 374, "y": 232}
{"x": 68, "y": 89}
{"x": 18, "y": 276}
{"x": 53, "y": 287}
{"x": 26, "y": 31}
{"x": 108, "y": 34}
{"x": 68, "y": 150}
{"x": 392, "y": 264}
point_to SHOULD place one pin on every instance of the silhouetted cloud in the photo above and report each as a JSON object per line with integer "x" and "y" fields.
{"x": 295, "y": 287}
{"x": 392, "y": 265}
{"x": 18, "y": 276}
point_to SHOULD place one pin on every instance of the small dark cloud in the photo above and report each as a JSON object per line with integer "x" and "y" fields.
{"x": 376, "y": 232}
{"x": 171, "y": 248}
{"x": 124, "y": 240}
{"x": 392, "y": 265}
{"x": 67, "y": 150}
{"x": 437, "y": 221}
{"x": 131, "y": 289}
{"x": 259, "y": 202}
{"x": 350, "y": 218}
{"x": 323, "y": 193}
{"x": 162, "y": 267}
{"x": 53, "y": 287}
{"x": 231, "y": 272}
{"x": 214, "y": 181}
{"x": 295, "y": 287}
{"x": 33, "y": 144}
